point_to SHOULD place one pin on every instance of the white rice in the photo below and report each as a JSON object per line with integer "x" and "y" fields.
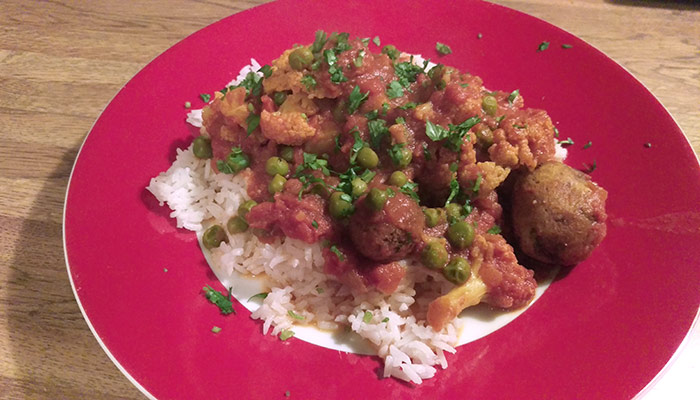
{"x": 395, "y": 327}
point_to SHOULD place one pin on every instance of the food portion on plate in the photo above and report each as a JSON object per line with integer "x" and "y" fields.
{"x": 376, "y": 191}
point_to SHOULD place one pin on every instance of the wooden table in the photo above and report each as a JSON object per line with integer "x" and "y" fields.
{"x": 62, "y": 61}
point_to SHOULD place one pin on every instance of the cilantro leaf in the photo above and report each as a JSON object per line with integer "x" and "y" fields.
{"x": 543, "y": 46}
{"x": 235, "y": 162}
{"x": 513, "y": 95}
{"x": 223, "y": 302}
{"x": 261, "y": 296}
{"x": 295, "y": 315}
{"x": 357, "y": 146}
{"x": 286, "y": 334}
{"x": 587, "y": 145}
{"x": 407, "y": 72}
{"x": 253, "y": 122}
{"x": 567, "y": 142}
{"x": 409, "y": 188}
{"x": 308, "y": 81}
{"x": 443, "y": 49}
{"x": 454, "y": 190}
{"x": 319, "y": 41}
{"x": 266, "y": 70}
{"x": 394, "y": 90}
{"x": 377, "y": 131}
{"x": 356, "y": 99}
{"x": 252, "y": 84}
{"x": 334, "y": 249}
{"x": 435, "y": 132}
{"x": 376, "y": 41}
{"x": 205, "y": 97}
{"x": 494, "y": 230}
{"x": 566, "y": 46}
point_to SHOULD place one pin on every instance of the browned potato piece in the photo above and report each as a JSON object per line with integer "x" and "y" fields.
{"x": 558, "y": 214}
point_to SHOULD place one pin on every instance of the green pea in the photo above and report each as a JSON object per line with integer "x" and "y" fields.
{"x": 403, "y": 157}
{"x": 279, "y": 98}
{"x": 358, "y": 187}
{"x": 367, "y": 158}
{"x": 460, "y": 234}
{"x": 398, "y": 179}
{"x": 287, "y": 153}
{"x": 377, "y": 198}
{"x": 201, "y": 147}
{"x": 300, "y": 58}
{"x": 276, "y": 185}
{"x": 340, "y": 205}
{"x": 276, "y": 166}
{"x": 490, "y": 105}
{"x": 244, "y": 208}
{"x": 457, "y": 270}
{"x": 213, "y": 237}
{"x": 434, "y": 255}
{"x": 236, "y": 224}
{"x": 434, "y": 216}
{"x": 484, "y": 137}
{"x": 453, "y": 210}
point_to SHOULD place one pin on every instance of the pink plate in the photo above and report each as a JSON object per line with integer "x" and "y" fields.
{"x": 602, "y": 331}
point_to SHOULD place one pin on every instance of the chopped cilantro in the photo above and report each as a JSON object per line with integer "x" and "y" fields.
{"x": 467, "y": 207}
{"x": 435, "y": 132}
{"x": 367, "y": 317}
{"x": 587, "y": 145}
{"x": 396, "y": 153}
{"x": 400, "y": 120}
{"x": 319, "y": 41}
{"x": 409, "y": 188}
{"x": 333, "y": 69}
{"x": 385, "y": 319}
{"x": 359, "y": 58}
{"x": 407, "y": 73}
{"x": 205, "y": 97}
{"x": 443, "y": 49}
{"x": 253, "y": 122}
{"x": 477, "y": 184}
{"x": 567, "y": 142}
{"x": 556, "y": 132}
{"x": 494, "y": 230}
{"x": 426, "y": 152}
{"x": 543, "y": 46}
{"x": 216, "y": 329}
{"x": 314, "y": 224}
{"x": 286, "y": 334}
{"x": 454, "y": 190}
{"x": 235, "y": 162}
{"x": 566, "y": 46}
{"x": 458, "y": 132}
{"x": 408, "y": 106}
{"x": 394, "y": 90}
{"x": 391, "y": 51}
{"x": 334, "y": 249}
{"x": 356, "y": 99}
{"x": 252, "y": 84}
{"x": 377, "y": 131}
{"x": 374, "y": 114}
{"x": 295, "y": 315}
{"x": 385, "y": 108}
{"x": 223, "y": 302}
{"x": 590, "y": 168}
{"x": 513, "y": 95}
{"x": 261, "y": 296}
{"x": 390, "y": 192}
{"x": 357, "y": 145}
{"x": 311, "y": 161}
{"x": 309, "y": 82}
{"x": 266, "y": 70}
{"x": 341, "y": 42}
{"x": 376, "y": 41}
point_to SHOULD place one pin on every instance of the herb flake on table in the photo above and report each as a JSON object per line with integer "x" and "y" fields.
{"x": 567, "y": 142}
{"x": 216, "y": 329}
{"x": 587, "y": 145}
{"x": 223, "y": 302}
{"x": 543, "y": 46}
{"x": 443, "y": 49}
{"x": 566, "y": 46}
{"x": 205, "y": 97}
{"x": 286, "y": 334}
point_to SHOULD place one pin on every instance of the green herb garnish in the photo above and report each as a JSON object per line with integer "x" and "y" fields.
{"x": 261, "y": 296}
{"x": 266, "y": 70}
{"x": 334, "y": 249}
{"x": 205, "y": 97}
{"x": 235, "y": 162}
{"x": 295, "y": 315}
{"x": 587, "y": 145}
{"x": 253, "y": 122}
{"x": 543, "y": 46}
{"x": 367, "y": 317}
{"x": 314, "y": 224}
{"x": 513, "y": 95}
{"x": 216, "y": 329}
{"x": 394, "y": 90}
{"x": 376, "y": 41}
{"x": 377, "y": 131}
{"x": 566, "y": 46}
{"x": 494, "y": 230}
{"x": 286, "y": 334}
{"x": 356, "y": 99}
{"x": 567, "y": 142}
{"x": 443, "y": 49}
{"x": 308, "y": 81}
{"x": 223, "y": 302}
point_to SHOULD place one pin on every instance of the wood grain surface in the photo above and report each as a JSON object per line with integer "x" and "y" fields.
{"x": 62, "y": 61}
